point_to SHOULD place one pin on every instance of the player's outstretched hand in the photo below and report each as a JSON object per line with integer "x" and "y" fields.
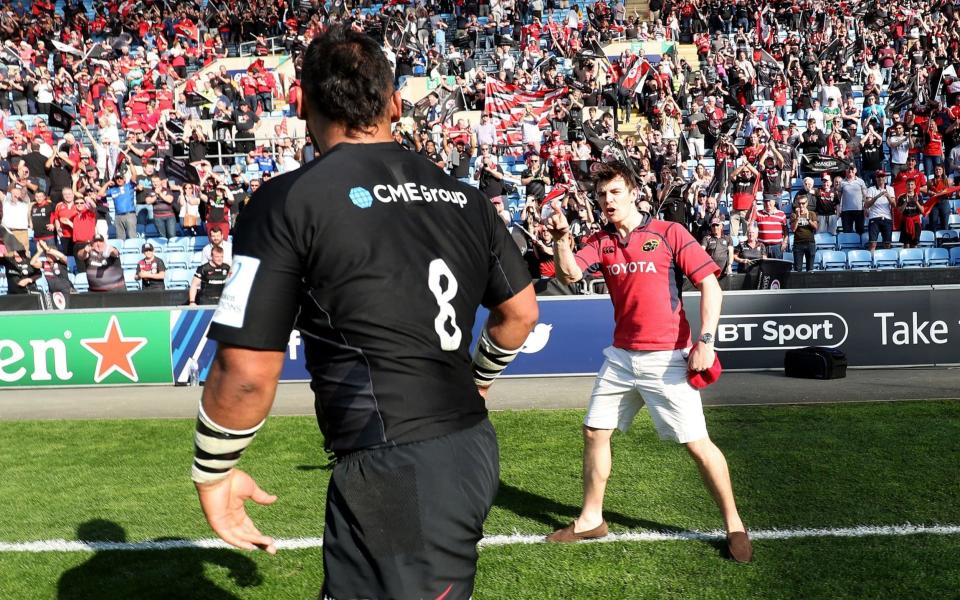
{"x": 701, "y": 357}
{"x": 223, "y": 505}
{"x": 557, "y": 225}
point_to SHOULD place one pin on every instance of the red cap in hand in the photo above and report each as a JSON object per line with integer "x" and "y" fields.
{"x": 701, "y": 379}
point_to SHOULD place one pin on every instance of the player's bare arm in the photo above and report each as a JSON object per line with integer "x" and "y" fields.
{"x": 566, "y": 264}
{"x": 237, "y": 397}
{"x": 711, "y": 300}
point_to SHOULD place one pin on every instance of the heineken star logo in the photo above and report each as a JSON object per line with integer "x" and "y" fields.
{"x": 114, "y": 352}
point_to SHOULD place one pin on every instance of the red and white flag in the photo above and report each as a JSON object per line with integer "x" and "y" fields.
{"x": 507, "y": 104}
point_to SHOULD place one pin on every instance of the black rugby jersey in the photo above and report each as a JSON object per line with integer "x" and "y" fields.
{"x": 381, "y": 261}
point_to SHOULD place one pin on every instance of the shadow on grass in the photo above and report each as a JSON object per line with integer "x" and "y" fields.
{"x": 177, "y": 573}
{"x": 545, "y": 510}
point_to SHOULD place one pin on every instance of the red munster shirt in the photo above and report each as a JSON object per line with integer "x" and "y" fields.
{"x": 644, "y": 274}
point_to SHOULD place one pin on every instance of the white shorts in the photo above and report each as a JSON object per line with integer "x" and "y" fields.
{"x": 629, "y": 379}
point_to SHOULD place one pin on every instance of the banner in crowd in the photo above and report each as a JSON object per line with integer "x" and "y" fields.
{"x": 895, "y": 327}
{"x": 507, "y": 104}
{"x": 71, "y": 349}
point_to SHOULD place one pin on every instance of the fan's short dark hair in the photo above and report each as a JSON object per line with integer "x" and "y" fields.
{"x": 607, "y": 172}
{"x": 347, "y": 78}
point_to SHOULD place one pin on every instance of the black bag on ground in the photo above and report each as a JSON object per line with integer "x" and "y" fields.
{"x": 815, "y": 363}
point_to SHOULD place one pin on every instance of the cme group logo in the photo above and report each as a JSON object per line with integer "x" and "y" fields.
{"x": 361, "y": 198}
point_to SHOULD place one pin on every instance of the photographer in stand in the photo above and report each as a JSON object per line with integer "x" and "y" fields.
{"x": 803, "y": 225}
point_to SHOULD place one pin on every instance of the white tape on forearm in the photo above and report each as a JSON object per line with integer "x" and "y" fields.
{"x": 489, "y": 360}
{"x": 217, "y": 449}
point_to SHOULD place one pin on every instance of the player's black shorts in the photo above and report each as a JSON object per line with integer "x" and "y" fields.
{"x": 404, "y": 521}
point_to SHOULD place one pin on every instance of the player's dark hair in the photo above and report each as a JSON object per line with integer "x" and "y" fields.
{"x": 346, "y": 78}
{"x": 609, "y": 171}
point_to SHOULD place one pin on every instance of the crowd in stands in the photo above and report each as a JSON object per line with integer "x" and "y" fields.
{"x": 804, "y": 124}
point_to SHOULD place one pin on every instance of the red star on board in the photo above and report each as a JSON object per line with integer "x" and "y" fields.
{"x": 114, "y": 352}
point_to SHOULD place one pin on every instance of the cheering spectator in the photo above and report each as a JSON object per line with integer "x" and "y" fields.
{"x": 772, "y": 225}
{"x": 803, "y": 225}
{"x": 880, "y": 204}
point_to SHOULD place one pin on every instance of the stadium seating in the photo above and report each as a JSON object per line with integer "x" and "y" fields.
{"x": 911, "y": 257}
{"x": 130, "y": 278}
{"x": 895, "y": 240}
{"x": 936, "y": 257}
{"x": 848, "y": 241}
{"x": 179, "y": 244}
{"x": 947, "y": 237}
{"x": 787, "y": 255}
{"x": 953, "y": 222}
{"x": 80, "y": 282}
{"x": 887, "y": 258}
{"x": 131, "y": 246}
{"x": 826, "y": 241}
{"x": 955, "y": 256}
{"x": 927, "y": 239}
{"x": 177, "y": 260}
{"x": 833, "y": 260}
{"x": 178, "y": 279}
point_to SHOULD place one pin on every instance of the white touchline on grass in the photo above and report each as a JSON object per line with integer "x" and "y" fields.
{"x": 501, "y": 540}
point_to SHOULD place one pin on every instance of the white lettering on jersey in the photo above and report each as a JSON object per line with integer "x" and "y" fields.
{"x": 637, "y": 266}
{"x": 233, "y": 301}
{"x": 411, "y": 192}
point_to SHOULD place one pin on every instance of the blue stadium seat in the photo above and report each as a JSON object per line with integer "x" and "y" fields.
{"x": 864, "y": 239}
{"x": 178, "y": 279}
{"x": 787, "y": 255}
{"x": 131, "y": 246}
{"x": 936, "y": 257}
{"x": 129, "y": 261}
{"x": 826, "y": 241}
{"x": 955, "y": 256}
{"x": 859, "y": 259}
{"x": 834, "y": 260}
{"x": 953, "y": 222}
{"x": 848, "y": 241}
{"x": 887, "y": 258}
{"x": 196, "y": 259}
{"x": 947, "y": 237}
{"x": 818, "y": 260}
{"x": 118, "y": 244}
{"x": 177, "y": 260}
{"x": 159, "y": 243}
{"x": 80, "y": 282}
{"x": 179, "y": 244}
{"x": 911, "y": 257}
{"x": 895, "y": 240}
{"x": 130, "y": 278}
{"x": 927, "y": 239}
{"x": 198, "y": 242}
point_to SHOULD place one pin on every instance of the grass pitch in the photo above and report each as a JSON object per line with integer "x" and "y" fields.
{"x": 792, "y": 467}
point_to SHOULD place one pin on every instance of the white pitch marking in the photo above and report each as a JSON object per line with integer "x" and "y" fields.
{"x": 501, "y": 540}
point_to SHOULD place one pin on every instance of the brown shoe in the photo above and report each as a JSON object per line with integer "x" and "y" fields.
{"x": 739, "y": 547}
{"x": 568, "y": 535}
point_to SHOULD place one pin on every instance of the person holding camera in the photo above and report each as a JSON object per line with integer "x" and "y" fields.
{"x": 535, "y": 178}
{"x": 803, "y": 224}
{"x": 879, "y": 206}
{"x": 488, "y": 173}
{"x": 53, "y": 264}
{"x": 123, "y": 194}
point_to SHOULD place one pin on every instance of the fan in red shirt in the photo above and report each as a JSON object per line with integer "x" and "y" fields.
{"x": 643, "y": 262}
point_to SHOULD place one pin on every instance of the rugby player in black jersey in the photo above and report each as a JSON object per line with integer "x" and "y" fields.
{"x": 381, "y": 261}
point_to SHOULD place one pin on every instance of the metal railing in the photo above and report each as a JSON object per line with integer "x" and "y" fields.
{"x": 274, "y": 43}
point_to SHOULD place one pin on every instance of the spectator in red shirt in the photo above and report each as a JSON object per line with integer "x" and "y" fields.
{"x": 772, "y": 223}
{"x": 932, "y": 148}
{"x": 63, "y": 216}
{"x": 641, "y": 260}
